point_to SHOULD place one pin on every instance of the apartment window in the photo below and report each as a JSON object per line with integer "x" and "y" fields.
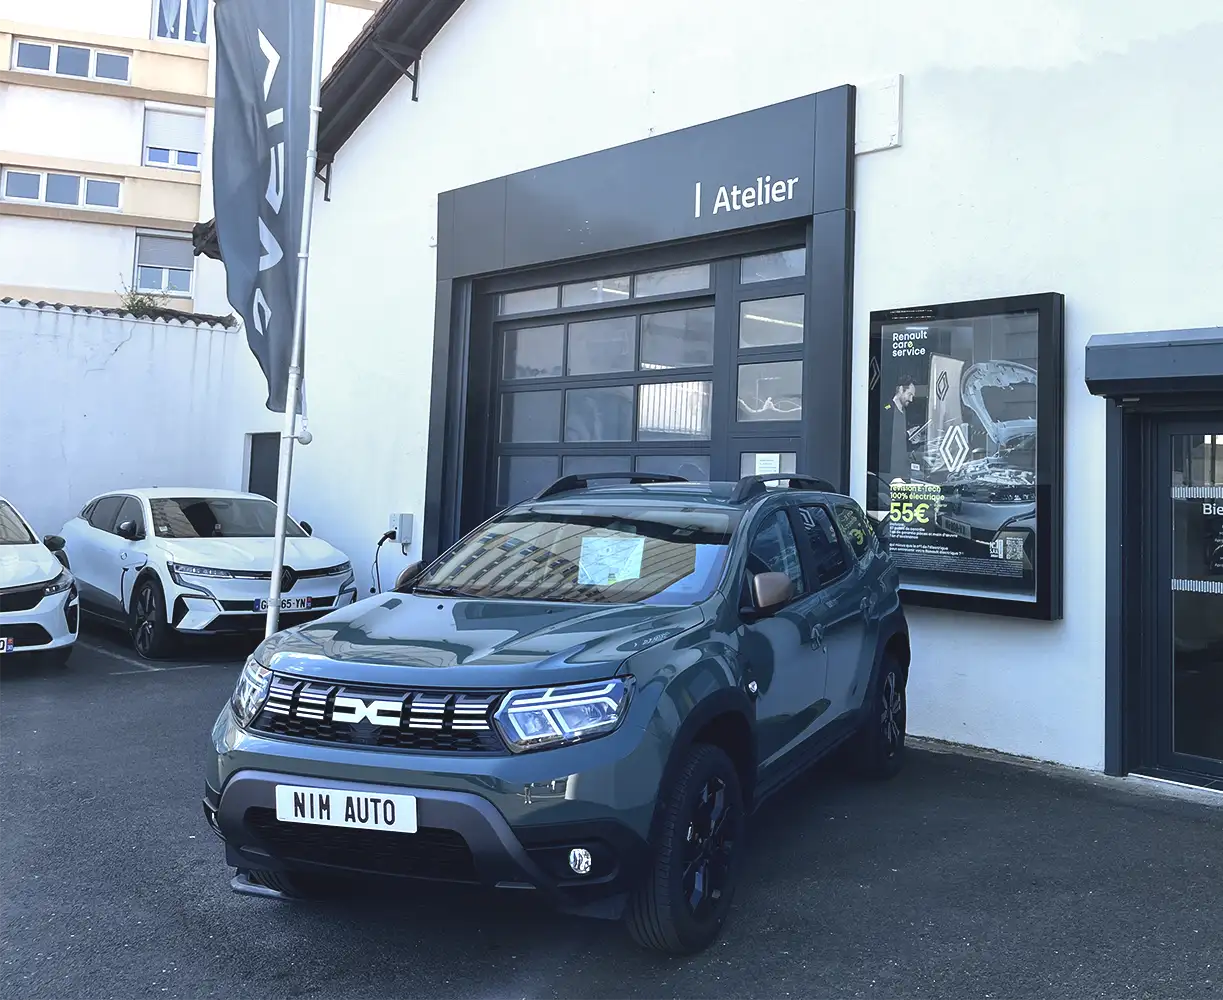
{"x": 173, "y": 139}
{"x": 183, "y": 20}
{"x": 164, "y": 264}
{"x": 71, "y": 60}
{"x": 62, "y": 189}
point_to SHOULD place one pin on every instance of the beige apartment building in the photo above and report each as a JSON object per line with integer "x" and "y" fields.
{"x": 105, "y": 147}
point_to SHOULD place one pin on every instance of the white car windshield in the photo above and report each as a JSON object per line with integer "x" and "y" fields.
{"x": 12, "y": 528}
{"x": 217, "y": 517}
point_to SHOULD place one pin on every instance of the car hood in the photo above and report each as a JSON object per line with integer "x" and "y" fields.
{"x": 21, "y": 565}
{"x": 250, "y": 553}
{"x": 998, "y": 375}
{"x": 411, "y": 640}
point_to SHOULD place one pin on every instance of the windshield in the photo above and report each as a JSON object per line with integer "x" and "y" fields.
{"x": 626, "y": 555}
{"x": 12, "y": 528}
{"x": 217, "y": 517}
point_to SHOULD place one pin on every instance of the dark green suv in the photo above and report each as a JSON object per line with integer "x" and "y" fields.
{"x": 585, "y": 697}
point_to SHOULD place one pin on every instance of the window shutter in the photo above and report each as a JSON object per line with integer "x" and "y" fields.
{"x": 167, "y": 130}
{"x": 164, "y": 251}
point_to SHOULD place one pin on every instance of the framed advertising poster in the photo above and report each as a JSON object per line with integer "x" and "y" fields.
{"x": 964, "y": 460}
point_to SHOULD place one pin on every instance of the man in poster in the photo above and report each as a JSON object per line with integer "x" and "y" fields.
{"x": 895, "y": 422}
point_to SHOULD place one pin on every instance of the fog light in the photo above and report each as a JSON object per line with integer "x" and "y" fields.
{"x": 580, "y": 861}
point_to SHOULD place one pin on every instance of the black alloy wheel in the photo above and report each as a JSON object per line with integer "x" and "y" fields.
{"x": 684, "y": 898}
{"x": 152, "y": 635}
{"x": 708, "y": 849}
{"x": 877, "y": 751}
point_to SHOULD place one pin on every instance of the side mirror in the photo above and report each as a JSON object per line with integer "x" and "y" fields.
{"x": 53, "y": 542}
{"x": 408, "y": 577}
{"x": 306, "y": 527}
{"x": 128, "y": 530}
{"x": 771, "y": 591}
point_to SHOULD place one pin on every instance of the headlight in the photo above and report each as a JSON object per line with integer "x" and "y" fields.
{"x": 545, "y": 717}
{"x": 344, "y": 567}
{"x": 178, "y": 570}
{"x": 251, "y": 691}
{"x": 59, "y": 584}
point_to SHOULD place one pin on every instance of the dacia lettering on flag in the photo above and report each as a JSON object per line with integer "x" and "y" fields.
{"x": 262, "y": 119}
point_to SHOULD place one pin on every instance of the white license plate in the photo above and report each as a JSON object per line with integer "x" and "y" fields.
{"x": 6, "y": 645}
{"x": 286, "y": 604}
{"x": 333, "y": 807}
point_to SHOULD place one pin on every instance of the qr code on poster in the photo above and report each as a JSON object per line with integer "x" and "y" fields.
{"x": 1014, "y": 548}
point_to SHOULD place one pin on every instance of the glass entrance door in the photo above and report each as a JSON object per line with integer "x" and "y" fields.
{"x": 1189, "y": 623}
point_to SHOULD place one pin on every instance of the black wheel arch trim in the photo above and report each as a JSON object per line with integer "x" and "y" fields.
{"x": 723, "y": 702}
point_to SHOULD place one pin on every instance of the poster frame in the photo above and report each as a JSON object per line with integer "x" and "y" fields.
{"x": 1050, "y": 442}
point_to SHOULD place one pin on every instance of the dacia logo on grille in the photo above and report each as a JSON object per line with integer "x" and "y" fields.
{"x": 357, "y": 710}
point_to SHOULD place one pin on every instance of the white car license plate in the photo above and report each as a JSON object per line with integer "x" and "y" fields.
{"x": 334, "y": 807}
{"x": 6, "y": 645}
{"x": 286, "y": 604}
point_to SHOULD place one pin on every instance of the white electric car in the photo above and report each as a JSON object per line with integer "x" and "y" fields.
{"x": 168, "y": 562}
{"x": 39, "y": 611}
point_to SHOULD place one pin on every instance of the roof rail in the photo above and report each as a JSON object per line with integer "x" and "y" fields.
{"x": 752, "y": 486}
{"x": 567, "y": 483}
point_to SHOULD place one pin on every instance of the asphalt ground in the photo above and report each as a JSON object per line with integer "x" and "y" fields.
{"x": 964, "y": 877}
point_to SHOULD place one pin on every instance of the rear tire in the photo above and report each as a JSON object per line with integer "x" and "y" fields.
{"x": 686, "y": 895}
{"x": 877, "y": 750}
{"x": 152, "y": 635}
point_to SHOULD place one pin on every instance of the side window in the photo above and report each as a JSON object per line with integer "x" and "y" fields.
{"x": 774, "y": 550}
{"x": 828, "y": 555}
{"x": 103, "y": 514}
{"x": 856, "y": 528}
{"x": 130, "y": 511}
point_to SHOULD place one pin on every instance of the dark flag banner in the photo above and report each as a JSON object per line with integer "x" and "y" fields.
{"x": 262, "y": 119}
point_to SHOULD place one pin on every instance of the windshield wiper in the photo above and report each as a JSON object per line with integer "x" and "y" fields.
{"x": 439, "y": 591}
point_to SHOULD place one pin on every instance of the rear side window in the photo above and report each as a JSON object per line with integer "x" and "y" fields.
{"x": 855, "y": 527}
{"x": 103, "y": 514}
{"x": 828, "y": 555}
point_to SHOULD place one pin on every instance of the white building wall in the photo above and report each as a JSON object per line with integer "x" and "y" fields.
{"x": 77, "y": 126}
{"x": 39, "y": 252}
{"x": 1054, "y": 145}
{"x": 95, "y": 402}
{"x": 108, "y": 17}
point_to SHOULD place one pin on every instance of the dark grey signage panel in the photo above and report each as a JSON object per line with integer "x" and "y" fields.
{"x": 748, "y": 170}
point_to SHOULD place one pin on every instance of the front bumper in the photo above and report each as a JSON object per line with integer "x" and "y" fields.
{"x": 505, "y": 821}
{"x": 211, "y": 607}
{"x": 50, "y": 624}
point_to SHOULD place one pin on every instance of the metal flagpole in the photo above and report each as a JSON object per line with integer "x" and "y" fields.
{"x": 289, "y": 435}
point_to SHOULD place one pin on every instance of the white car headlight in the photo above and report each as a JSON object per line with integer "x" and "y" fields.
{"x": 179, "y": 570}
{"x": 546, "y": 717}
{"x": 59, "y": 584}
{"x": 251, "y": 691}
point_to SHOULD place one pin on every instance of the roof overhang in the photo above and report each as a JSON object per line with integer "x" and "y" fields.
{"x": 1155, "y": 362}
{"x": 387, "y": 49}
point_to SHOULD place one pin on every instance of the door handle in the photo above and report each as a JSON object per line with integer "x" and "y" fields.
{"x": 817, "y": 636}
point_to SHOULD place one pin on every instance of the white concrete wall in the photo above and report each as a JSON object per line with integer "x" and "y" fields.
{"x": 48, "y": 253}
{"x": 77, "y": 126}
{"x": 95, "y": 402}
{"x": 1064, "y": 145}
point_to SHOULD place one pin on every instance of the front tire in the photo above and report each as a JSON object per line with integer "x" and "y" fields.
{"x": 683, "y": 902}
{"x": 152, "y": 635}
{"x": 878, "y": 748}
